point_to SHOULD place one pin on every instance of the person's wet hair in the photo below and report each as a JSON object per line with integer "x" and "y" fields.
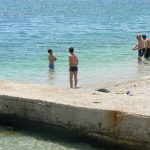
{"x": 144, "y": 37}
{"x": 50, "y": 51}
{"x": 71, "y": 49}
{"x": 138, "y": 37}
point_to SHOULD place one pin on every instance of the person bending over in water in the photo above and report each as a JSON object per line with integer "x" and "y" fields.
{"x": 140, "y": 47}
{"x": 73, "y": 67}
{"x": 51, "y": 59}
{"x": 147, "y": 46}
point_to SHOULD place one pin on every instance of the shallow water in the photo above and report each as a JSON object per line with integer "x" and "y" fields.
{"x": 22, "y": 134}
{"x": 19, "y": 139}
{"x": 19, "y": 133}
{"x": 102, "y": 33}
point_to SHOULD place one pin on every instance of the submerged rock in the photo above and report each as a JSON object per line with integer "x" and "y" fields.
{"x": 103, "y": 90}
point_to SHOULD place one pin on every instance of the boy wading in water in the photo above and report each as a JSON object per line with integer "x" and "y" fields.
{"x": 140, "y": 47}
{"x": 73, "y": 67}
{"x": 51, "y": 59}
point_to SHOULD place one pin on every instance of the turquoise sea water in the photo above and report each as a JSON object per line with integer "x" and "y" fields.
{"x": 13, "y": 139}
{"x": 102, "y": 33}
{"x": 22, "y": 134}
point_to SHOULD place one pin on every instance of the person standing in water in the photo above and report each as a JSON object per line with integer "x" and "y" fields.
{"x": 73, "y": 67}
{"x": 140, "y": 47}
{"x": 51, "y": 58}
{"x": 147, "y": 46}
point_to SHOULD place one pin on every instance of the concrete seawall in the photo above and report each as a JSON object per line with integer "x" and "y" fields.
{"x": 80, "y": 109}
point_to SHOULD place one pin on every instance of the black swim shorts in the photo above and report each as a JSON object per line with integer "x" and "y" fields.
{"x": 141, "y": 52}
{"x": 147, "y": 54}
{"x": 74, "y": 69}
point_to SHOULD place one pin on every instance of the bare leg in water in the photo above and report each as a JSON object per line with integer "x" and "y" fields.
{"x": 75, "y": 79}
{"x": 71, "y": 79}
{"x": 73, "y": 74}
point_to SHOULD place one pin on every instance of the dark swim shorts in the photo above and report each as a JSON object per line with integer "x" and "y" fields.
{"x": 147, "y": 55}
{"x": 73, "y": 69}
{"x": 141, "y": 52}
{"x": 51, "y": 66}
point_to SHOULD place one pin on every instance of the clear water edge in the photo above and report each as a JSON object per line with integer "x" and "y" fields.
{"x": 102, "y": 34}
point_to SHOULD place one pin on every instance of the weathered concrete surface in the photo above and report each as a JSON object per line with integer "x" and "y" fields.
{"x": 117, "y": 118}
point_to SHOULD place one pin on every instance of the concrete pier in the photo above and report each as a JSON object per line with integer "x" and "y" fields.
{"x": 111, "y": 117}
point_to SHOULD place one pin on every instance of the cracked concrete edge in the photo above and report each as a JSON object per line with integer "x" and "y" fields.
{"x": 108, "y": 125}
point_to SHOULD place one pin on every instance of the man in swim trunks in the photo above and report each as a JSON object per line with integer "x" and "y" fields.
{"x": 73, "y": 67}
{"x": 140, "y": 47}
{"x": 147, "y": 46}
{"x": 51, "y": 59}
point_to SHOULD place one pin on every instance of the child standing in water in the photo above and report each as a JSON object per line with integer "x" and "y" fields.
{"x": 51, "y": 59}
{"x": 73, "y": 67}
{"x": 140, "y": 47}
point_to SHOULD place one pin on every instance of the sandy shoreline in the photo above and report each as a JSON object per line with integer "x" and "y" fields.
{"x": 117, "y": 99}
